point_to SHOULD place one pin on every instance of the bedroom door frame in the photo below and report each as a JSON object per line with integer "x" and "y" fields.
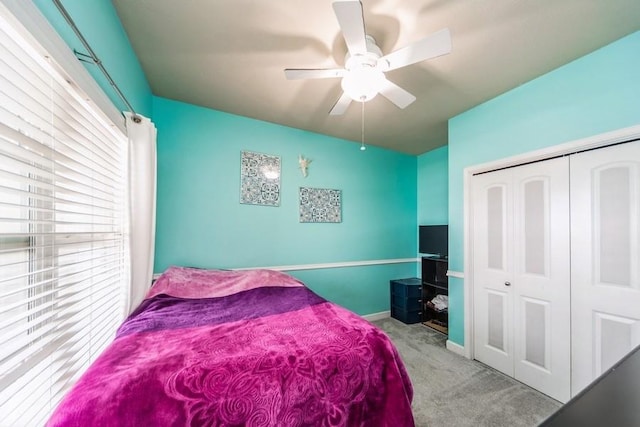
{"x": 589, "y": 143}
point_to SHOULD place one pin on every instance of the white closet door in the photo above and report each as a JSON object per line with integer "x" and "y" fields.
{"x": 521, "y": 274}
{"x": 492, "y": 269}
{"x": 541, "y": 277}
{"x": 605, "y": 285}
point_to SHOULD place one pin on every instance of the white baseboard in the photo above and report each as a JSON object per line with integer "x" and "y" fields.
{"x": 377, "y": 316}
{"x": 456, "y": 348}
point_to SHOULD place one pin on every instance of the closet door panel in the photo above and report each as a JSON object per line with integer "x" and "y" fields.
{"x": 605, "y": 212}
{"x": 541, "y": 277}
{"x": 536, "y": 324}
{"x": 493, "y": 306}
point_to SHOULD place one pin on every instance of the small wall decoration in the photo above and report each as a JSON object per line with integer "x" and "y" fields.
{"x": 259, "y": 179}
{"x": 304, "y": 164}
{"x": 320, "y": 205}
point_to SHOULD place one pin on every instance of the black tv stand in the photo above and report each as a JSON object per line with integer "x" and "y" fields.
{"x": 435, "y": 282}
{"x": 442, "y": 258}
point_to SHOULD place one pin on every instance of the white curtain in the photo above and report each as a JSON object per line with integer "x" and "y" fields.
{"x": 142, "y": 199}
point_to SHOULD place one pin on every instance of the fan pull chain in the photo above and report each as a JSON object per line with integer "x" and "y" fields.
{"x": 362, "y": 147}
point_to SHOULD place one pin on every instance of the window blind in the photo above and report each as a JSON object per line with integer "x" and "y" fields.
{"x": 63, "y": 249}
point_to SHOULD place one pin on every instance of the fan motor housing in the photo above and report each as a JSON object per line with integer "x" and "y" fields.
{"x": 367, "y": 59}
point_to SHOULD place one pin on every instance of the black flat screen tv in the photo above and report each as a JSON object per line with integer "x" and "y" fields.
{"x": 433, "y": 240}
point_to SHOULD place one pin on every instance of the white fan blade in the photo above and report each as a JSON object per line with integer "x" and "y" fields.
{"x": 297, "y": 74}
{"x": 341, "y": 106}
{"x": 396, "y": 94}
{"x": 351, "y": 21}
{"x": 437, "y": 44}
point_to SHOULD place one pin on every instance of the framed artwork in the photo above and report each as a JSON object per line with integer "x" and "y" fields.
{"x": 259, "y": 179}
{"x": 320, "y": 205}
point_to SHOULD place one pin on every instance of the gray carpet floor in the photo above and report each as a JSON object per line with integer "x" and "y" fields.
{"x": 452, "y": 391}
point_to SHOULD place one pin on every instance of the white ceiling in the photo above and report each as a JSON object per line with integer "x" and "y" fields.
{"x": 229, "y": 55}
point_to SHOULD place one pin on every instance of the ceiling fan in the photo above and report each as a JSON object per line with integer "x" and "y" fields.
{"x": 363, "y": 74}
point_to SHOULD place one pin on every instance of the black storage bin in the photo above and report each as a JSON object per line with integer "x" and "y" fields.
{"x": 406, "y": 316}
{"x": 406, "y": 299}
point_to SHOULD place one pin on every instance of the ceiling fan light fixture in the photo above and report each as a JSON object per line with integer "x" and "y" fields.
{"x": 363, "y": 83}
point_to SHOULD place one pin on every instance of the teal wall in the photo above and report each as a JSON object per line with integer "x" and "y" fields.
{"x": 200, "y": 220}
{"x": 433, "y": 187}
{"x": 597, "y": 93}
{"x": 99, "y": 24}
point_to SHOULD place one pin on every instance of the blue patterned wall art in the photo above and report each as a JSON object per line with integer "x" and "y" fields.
{"x": 320, "y": 205}
{"x": 259, "y": 179}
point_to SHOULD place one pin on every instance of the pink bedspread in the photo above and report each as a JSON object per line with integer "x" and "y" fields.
{"x": 197, "y": 283}
{"x": 270, "y": 353}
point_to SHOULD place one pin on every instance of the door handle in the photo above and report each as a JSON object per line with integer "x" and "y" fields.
{"x": 507, "y": 283}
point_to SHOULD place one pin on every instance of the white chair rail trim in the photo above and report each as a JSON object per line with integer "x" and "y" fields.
{"x": 300, "y": 267}
{"x": 456, "y": 274}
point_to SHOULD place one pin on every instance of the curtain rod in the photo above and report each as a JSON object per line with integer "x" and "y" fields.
{"x": 94, "y": 58}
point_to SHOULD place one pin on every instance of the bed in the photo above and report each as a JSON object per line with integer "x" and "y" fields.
{"x": 241, "y": 348}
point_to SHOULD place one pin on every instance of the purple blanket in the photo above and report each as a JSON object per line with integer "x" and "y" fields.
{"x": 265, "y": 355}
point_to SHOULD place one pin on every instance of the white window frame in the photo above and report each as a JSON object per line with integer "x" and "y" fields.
{"x": 34, "y": 27}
